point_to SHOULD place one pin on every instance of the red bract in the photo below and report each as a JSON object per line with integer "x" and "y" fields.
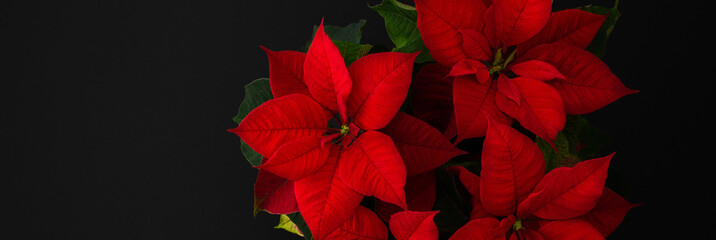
{"x": 333, "y": 168}
{"x": 409, "y": 225}
{"x": 514, "y": 59}
{"x": 566, "y": 203}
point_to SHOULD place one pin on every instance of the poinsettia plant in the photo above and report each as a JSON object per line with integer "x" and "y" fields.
{"x": 342, "y": 152}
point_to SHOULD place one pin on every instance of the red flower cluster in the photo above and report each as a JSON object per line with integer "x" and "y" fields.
{"x": 512, "y": 59}
{"x": 324, "y": 171}
{"x": 334, "y": 134}
{"x": 566, "y": 203}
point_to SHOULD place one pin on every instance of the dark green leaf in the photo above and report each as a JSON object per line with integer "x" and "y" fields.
{"x": 401, "y": 24}
{"x": 351, "y": 33}
{"x": 297, "y": 219}
{"x": 257, "y": 92}
{"x": 578, "y": 141}
{"x": 454, "y": 210}
{"x": 599, "y": 43}
{"x": 352, "y": 51}
{"x": 252, "y": 156}
{"x": 347, "y": 39}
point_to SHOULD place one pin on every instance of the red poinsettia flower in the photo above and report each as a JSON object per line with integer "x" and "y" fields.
{"x": 331, "y": 168}
{"x": 514, "y": 59}
{"x": 566, "y": 203}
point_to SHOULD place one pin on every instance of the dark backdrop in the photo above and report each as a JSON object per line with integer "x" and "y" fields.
{"x": 117, "y": 113}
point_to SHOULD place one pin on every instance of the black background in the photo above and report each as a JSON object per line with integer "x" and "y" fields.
{"x": 116, "y": 114}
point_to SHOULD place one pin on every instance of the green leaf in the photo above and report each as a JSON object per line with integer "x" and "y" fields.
{"x": 252, "y": 156}
{"x": 454, "y": 210}
{"x": 297, "y": 220}
{"x": 347, "y": 39}
{"x": 352, "y": 51}
{"x": 578, "y": 141}
{"x": 401, "y": 23}
{"x": 351, "y": 33}
{"x": 285, "y": 223}
{"x": 257, "y": 92}
{"x": 599, "y": 43}
{"x": 592, "y": 140}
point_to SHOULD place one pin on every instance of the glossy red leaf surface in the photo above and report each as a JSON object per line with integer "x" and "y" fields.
{"x": 326, "y": 74}
{"x": 568, "y": 230}
{"x": 588, "y": 85}
{"x": 509, "y": 89}
{"x": 372, "y": 166}
{"x": 572, "y": 26}
{"x": 536, "y": 69}
{"x": 469, "y": 66}
{"x": 420, "y": 194}
{"x": 511, "y": 166}
{"x": 381, "y": 83}
{"x": 274, "y": 194}
{"x": 473, "y": 102}
{"x": 609, "y": 212}
{"x": 511, "y": 22}
{"x": 281, "y": 120}
{"x": 471, "y": 182}
{"x": 541, "y": 109}
{"x": 286, "y": 72}
{"x": 297, "y": 159}
{"x": 410, "y": 225}
{"x": 476, "y": 45}
{"x": 431, "y": 96}
{"x": 363, "y": 225}
{"x": 324, "y": 200}
{"x": 480, "y": 229}
{"x": 422, "y": 147}
{"x": 566, "y": 193}
{"x": 439, "y": 22}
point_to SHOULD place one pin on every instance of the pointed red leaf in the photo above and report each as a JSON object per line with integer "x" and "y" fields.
{"x": 422, "y": 147}
{"x": 588, "y": 85}
{"x": 541, "y": 110}
{"x": 472, "y": 184}
{"x": 480, "y": 229}
{"x": 439, "y": 22}
{"x": 363, "y": 225}
{"x": 286, "y": 72}
{"x": 372, "y": 166}
{"x": 325, "y": 73}
{"x": 409, "y": 225}
{"x": 511, "y": 22}
{"x": 431, "y": 96}
{"x": 571, "y": 26}
{"x": 568, "y": 230}
{"x": 324, "y": 200}
{"x": 609, "y": 212}
{"x": 509, "y": 89}
{"x": 566, "y": 192}
{"x": 469, "y": 66}
{"x": 297, "y": 159}
{"x": 476, "y": 45}
{"x": 381, "y": 83}
{"x": 274, "y": 194}
{"x": 281, "y": 120}
{"x": 536, "y": 69}
{"x": 473, "y": 102}
{"x": 420, "y": 194}
{"x": 511, "y": 166}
